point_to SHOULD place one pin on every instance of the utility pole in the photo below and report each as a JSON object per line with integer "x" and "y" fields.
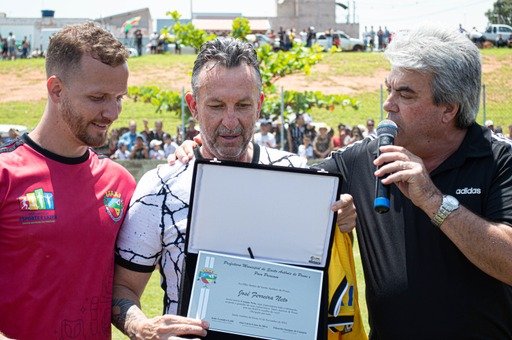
{"x": 498, "y": 10}
{"x": 354, "y": 12}
{"x": 348, "y": 12}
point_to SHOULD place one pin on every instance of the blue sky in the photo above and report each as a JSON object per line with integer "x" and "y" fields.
{"x": 395, "y": 14}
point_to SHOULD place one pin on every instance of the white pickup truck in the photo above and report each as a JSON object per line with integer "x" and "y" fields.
{"x": 493, "y": 31}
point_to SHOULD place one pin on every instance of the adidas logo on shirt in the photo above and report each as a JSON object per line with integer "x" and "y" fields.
{"x": 468, "y": 191}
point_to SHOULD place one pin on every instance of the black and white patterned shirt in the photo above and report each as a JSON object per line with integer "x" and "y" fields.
{"x": 154, "y": 229}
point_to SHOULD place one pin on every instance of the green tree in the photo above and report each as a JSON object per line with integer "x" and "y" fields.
{"x": 303, "y": 102}
{"x": 187, "y": 34}
{"x": 501, "y": 12}
{"x": 277, "y": 64}
{"x": 273, "y": 66}
{"x": 240, "y": 28}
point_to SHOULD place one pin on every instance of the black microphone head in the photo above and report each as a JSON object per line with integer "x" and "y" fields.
{"x": 387, "y": 127}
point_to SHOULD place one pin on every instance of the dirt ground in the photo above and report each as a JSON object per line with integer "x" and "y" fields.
{"x": 31, "y": 86}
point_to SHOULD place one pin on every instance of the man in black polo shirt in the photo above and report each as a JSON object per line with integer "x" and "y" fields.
{"x": 438, "y": 265}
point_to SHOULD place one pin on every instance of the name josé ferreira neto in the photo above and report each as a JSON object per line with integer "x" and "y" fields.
{"x": 257, "y": 295}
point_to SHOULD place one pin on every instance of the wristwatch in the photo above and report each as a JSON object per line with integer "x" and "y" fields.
{"x": 449, "y": 205}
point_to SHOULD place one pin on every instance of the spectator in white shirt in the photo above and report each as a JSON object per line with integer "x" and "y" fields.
{"x": 169, "y": 145}
{"x": 122, "y": 152}
{"x": 265, "y": 137}
{"x": 155, "y": 150}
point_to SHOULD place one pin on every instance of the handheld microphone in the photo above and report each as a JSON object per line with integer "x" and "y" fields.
{"x": 386, "y": 133}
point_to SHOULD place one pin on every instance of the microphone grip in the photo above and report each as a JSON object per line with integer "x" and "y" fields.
{"x": 382, "y": 203}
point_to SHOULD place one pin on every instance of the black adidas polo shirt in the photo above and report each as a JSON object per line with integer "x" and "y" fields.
{"x": 418, "y": 284}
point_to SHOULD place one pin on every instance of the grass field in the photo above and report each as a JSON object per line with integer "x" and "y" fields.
{"x": 334, "y": 69}
{"x": 497, "y": 78}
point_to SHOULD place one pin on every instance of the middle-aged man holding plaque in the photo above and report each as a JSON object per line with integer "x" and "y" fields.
{"x": 226, "y": 99}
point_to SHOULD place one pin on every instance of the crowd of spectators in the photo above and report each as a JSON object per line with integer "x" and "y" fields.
{"x": 11, "y": 49}
{"x": 130, "y": 143}
{"x": 375, "y": 39}
{"x": 303, "y": 136}
{"x": 378, "y": 40}
{"x": 309, "y": 139}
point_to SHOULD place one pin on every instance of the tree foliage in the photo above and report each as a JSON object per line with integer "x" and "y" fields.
{"x": 273, "y": 66}
{"x": 277, "y": 64}
{"x": 161, "y": 99}
{"x": 187, "y": 34}
{"x": 303, "y": 102}
{"x": 501, "y": 12}
{"x": 240, "y": 28}
{"x": 294, "y": 101}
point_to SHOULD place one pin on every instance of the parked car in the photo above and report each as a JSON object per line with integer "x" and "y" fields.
{"x": 261, "y": 39}
{"x": 341, "y": 40}
{"x": 493, "y": 31}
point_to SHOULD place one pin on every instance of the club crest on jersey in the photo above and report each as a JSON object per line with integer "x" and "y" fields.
{"x": 114, "y": 205}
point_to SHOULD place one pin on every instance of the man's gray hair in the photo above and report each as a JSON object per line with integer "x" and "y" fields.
{"x": 452, "y": 60}
{"x": 227, "y": 52}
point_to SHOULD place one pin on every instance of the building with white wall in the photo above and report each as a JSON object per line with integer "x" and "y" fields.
{"x": 38, "y": 30}
{"x": 301, "y": 14}
{"x": 33, "y": 28}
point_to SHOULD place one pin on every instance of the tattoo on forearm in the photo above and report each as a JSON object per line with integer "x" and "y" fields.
{"x": 119, "y": 310}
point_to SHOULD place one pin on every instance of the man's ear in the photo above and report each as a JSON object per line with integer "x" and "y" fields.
{"x": 450, "y": 112}
{"x": 192, "y": 104}
{"x": 54, "y": 86}
{"x": 260, "y": 103}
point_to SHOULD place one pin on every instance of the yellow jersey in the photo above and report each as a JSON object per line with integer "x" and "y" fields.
{"x": 344, "y": 319}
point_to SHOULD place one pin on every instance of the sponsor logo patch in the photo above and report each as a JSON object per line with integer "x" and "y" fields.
{"x": 40, "y": 206}
{"x": 37, "y": 200}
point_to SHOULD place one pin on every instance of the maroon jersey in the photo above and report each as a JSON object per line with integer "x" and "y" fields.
{"x": 59, "y": 219}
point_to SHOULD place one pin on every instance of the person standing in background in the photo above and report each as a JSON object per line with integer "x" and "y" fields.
{"x": 138, "y": 41}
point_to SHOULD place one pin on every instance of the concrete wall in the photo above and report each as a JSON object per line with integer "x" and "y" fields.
{"x": 301, "y": 14}
{"x": 139, "y": 167}
{"x": 31, "y": 28}
{"x": 114, "y": 23}
{"x": 36, "y": 29}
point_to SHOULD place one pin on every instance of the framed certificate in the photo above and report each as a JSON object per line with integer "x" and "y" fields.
{"x": 256, "y": 298}
{"x": 281, "y": 216}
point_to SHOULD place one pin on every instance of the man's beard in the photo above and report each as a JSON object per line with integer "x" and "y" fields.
{"x": 78, "y": 126}
{"x": 223, "y": 152}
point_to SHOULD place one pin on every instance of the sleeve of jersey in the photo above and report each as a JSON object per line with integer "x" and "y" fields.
{"x": 344, "y": 320}
{"x": 499, "y": 203}
{"x": 138, "y": 245}
{"x": 330, "y": 164}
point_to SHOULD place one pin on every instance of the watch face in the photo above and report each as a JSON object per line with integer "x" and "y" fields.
{"x": 450, "y": 202}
